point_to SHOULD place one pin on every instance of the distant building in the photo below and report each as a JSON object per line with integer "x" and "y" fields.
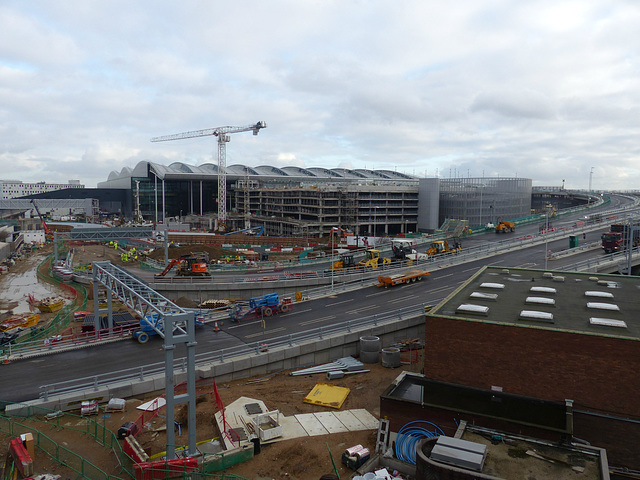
{"x": 310, "y": 201}
{"x": 17, "y": 189}
{"x": 558, "y": 337}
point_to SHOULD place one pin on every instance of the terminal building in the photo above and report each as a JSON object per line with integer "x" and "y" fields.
{"x": 17, "y": 189}
{"x": 310, "y": 201}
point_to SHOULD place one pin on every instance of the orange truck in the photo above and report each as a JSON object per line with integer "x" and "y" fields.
{"x": 400, "y": 278}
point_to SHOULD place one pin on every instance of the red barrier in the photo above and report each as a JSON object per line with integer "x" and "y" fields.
{"x": 160, "y": 468}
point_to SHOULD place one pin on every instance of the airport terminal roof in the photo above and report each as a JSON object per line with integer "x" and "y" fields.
{"x": 604, "y": 305}
{"x": 209, "y": 171}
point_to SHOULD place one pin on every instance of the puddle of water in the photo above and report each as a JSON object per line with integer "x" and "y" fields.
{"x": 17, "y": 287}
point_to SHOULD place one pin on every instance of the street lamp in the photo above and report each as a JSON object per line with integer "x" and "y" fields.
{"x": 331, "y": 263}
{"x": 546, "y": 233}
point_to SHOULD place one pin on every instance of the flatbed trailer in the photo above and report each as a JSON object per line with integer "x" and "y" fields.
{"x": 400, "y": 278}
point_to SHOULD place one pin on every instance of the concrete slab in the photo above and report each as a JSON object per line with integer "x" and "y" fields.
{"x": 291, "y": 428}
{"x": 368, "y": 420}
{"x": 311, "y": 424}
{"x": 331, "y": 422}
{"x": 350, "y": 421}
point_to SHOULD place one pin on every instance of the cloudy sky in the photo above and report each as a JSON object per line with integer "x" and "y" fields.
{"x": 548, "y": 90}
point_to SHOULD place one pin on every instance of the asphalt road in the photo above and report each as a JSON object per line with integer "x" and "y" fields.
{"x": 21, "y": 380}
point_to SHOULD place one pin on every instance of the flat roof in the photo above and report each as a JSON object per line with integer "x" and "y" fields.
{"x": 602, "y": 304}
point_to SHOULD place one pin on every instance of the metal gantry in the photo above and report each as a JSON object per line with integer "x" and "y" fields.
{"x": 175, "y": 325}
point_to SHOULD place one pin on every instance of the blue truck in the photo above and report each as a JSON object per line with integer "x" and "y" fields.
{"x": 264, "y": 306}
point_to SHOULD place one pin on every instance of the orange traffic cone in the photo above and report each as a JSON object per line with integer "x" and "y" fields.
{"x": 216, "y": 328}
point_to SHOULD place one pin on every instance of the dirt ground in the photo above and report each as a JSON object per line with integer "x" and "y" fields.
{"x": 305, "y": 458}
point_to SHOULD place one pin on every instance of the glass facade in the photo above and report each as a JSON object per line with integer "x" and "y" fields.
{"x": 484, "y": 200}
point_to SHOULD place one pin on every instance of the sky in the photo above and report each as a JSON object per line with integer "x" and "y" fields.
{"x": 547, "y": 90}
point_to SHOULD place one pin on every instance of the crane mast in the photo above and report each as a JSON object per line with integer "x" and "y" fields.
{"x": 223, "y": 137}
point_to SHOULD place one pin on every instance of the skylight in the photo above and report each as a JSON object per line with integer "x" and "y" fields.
{"x": 540, "y": 300}
{"x": 535, "y": 315}
{"x": 471, "y": 308}
{"x": 603, "y": 306}
{"x": 484, "y": 296}
{"x": 607, "y": 322}
{"x": 543, "y": 290}
{"x": 594, "y": 293}
{"x": 496, "y": 286}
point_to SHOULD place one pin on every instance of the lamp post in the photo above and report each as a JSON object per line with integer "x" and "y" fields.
{"x": 546, "y": 233}
{"x": 332, "y": 271}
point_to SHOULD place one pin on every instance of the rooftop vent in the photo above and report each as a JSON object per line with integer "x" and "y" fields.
{"x": 593, "y": 279}
{"x": 607, "y": 322}
{"x": 458, "y": 452}
{"x": 594, "y": 293}
{"x": 495, "y": 286}
{"x": 471, "y": 308}
{"x": 543, "y": 290}
{"x": 603, "y": 306}
{"x": 547, "y": 275}
{"x": 540, "y": 300}
{"x": 558, "y": 278}
{"x": 537, "y": 316}
{"x": 484, "y": 296}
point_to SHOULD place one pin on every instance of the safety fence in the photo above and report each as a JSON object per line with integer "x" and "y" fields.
{"x": 44, "y": 424}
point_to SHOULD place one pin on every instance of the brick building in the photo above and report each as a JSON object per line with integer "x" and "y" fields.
{"x": 551, "y": 336}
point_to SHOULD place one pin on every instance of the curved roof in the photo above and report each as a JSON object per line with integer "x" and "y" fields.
{"x": 209, "y": 171}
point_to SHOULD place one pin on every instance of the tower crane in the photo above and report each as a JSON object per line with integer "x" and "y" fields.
{"x": 223, "y": 137}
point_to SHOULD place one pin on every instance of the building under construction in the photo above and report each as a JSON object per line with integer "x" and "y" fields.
{"x": 309, "y": 201}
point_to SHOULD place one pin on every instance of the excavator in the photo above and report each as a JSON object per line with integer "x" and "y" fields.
{"x": 442, "y": 246}
{"x": 188, "y": 265}
{"x": 373, "y": 259}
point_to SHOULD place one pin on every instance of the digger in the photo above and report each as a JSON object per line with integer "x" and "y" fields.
{"x": 373, "y": 259}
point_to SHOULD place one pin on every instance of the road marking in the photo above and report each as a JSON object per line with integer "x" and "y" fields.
{"x": 379, "y": 292}
{"x": 363, "y": 309}
{"x": 309, "y": 322}
{"x": 259, "y": 334}
{"x": 399, "y": 300}
{"x": 471, "y": 269}
{"x": 295, "y": 312}
{"x": 338, "y": 303}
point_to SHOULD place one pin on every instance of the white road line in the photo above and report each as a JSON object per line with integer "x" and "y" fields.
{"x": 400, "y": 300}
{"x": 338, "y": 303}
{"x": 363, "y": 309}
{"x": 309, "y": 322}
{"x": 294, "y": 312}
{"x": 259, "y": 334}
{"x": 379, "y": 292}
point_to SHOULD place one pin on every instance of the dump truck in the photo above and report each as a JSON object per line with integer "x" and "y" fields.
{"x": 617, "y": 238}
{"x": 264, "y": 306}
{"x": 505, "y": 227}
{"x": 373, "y": 259}
{"x": 407, "y": 277}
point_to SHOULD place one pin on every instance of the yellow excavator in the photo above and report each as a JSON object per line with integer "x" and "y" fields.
{"x": 373, "y": 259}
{"x": 442, "y": 246}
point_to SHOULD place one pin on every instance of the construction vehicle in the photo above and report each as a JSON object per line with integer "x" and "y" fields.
{"x": 617, "y": 238}
{"x": 403, "y": 250}
{"x": 48, "y": 234}
{"x": 400, "y": 278}
{"x": 264, "y": 306}
{"x": 442, "y": 247}
{"x": 373, "y": 259}
{"x": 505, "y": 227}
{"x": 193, "y": 264}
{"x": 345, "y": 262}
{"x": 153, "y": 324}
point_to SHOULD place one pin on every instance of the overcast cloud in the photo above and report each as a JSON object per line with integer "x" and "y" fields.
{"x": 546, "y": 90}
